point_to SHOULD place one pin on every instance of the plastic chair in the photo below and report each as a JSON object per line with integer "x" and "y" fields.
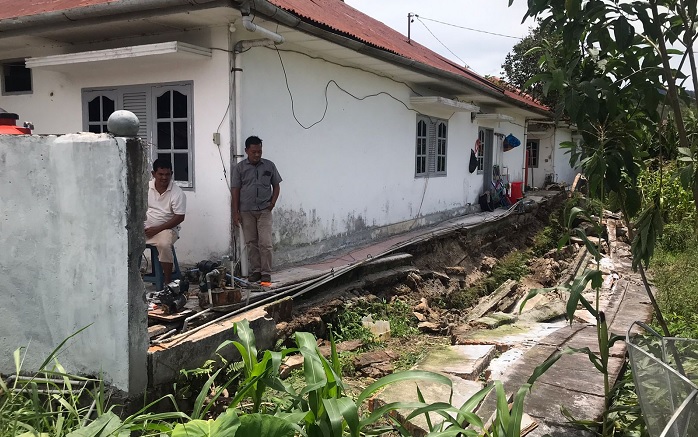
{"x": 156, "y": 275}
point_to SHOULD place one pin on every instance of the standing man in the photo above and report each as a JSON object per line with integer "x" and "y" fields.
{"x": 167, "y": 205}
{"x": 255, "y": 183}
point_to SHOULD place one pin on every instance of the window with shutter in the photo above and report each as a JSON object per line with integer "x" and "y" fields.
{"x": 165, "y": 115}
{"x": 431, "y": 147}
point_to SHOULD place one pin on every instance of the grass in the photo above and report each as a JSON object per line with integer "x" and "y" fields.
{"x": 512, "y": 266}
{"x": 398, "y": 313}
{"x": 675, "y": 275}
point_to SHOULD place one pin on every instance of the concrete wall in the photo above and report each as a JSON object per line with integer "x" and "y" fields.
{"x": 67, "y": 208}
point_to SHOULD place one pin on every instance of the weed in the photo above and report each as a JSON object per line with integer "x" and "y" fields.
{"x": 397, "y": 312}
{"x": 625, "y": 409}
{"x": 459, "y": 299}
{"x": 677, "y": 236}
{"x": 676, "y": 278}
{"x": 349, "y": 326}
{"x": 512, "y": 266}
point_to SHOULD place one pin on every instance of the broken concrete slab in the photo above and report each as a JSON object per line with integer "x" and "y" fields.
{"x": 494, "y": 320}
{"x": 290, "y": 363}
{"x": 506, "y": 335}
{"x": 388, "y": 277}
{"x": 167, "y": 359}
{"x": 487, "y": 303}
{"x": 464, "y": 361}
{"x": 542, "y": 313}
{"x": 406, "y": 391}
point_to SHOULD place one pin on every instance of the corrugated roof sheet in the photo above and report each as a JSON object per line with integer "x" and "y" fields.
{"x": 10, "y": 9}
{"x": 342, "y": 18}
{"x": 334, "y": 15}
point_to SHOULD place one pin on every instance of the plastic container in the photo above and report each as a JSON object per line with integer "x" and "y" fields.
{"x": 380, "y": 328}
{"x": 516, "y": 191}
{"x": 8, "y": 124}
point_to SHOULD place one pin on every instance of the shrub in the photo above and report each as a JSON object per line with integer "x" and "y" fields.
{"x": 676, "y": 236}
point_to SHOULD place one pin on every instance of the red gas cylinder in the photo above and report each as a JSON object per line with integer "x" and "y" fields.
{"x": 8, "y": 124}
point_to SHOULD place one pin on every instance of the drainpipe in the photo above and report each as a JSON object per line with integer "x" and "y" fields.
{"x": 271, "y": 38}
{"x": 525, "y": 156}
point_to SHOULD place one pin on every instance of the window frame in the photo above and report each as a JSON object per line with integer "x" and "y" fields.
{"x": 142, "y": 99}
{"x": 532, "y": 158}
{"x": 8, "y": 62}
{"x": 431, "y": 147}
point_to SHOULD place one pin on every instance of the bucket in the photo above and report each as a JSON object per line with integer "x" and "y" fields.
{"x": 516, "y": 191}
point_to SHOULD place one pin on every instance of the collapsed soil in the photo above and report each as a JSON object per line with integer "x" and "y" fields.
{"x": 448, "y": 277}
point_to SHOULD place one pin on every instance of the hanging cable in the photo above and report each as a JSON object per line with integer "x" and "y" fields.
{"x": 468, "y": 28}
{"x": 327, "y": 85}
{"x": 440, "y": 42}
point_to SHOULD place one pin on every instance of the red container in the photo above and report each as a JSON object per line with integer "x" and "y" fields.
{"x": 516, "y": 192}
{"x": 8, "y": 124}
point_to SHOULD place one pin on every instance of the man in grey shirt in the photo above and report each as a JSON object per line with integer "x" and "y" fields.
{"x": 255, "y": 183}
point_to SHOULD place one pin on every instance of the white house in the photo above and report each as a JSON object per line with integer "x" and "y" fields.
{"x": 372, "y": 134}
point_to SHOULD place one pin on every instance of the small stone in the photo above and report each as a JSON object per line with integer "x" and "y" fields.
{"x": 487, "y": 264}
{"x": 422, "y": 307}
{"x": 429, "y": 327}
{"x": 455, "y": 270}
{"x": 377, "y": 370}
{"x": 421, "y": 317}
{"x": 442, "y": 277}
{"x": 290, "y": 364}
{"x": 373, "y": 357}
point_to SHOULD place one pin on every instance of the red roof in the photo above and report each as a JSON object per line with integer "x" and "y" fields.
{"x": 334, "y": 15}
{"x": 10, "y": 9}
{"x": 342, "y": 18}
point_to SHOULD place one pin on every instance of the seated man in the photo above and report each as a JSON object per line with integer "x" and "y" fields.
{"x": 167, "y": 205}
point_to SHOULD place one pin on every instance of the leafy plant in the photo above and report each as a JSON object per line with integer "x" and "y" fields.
{"x": 397, "y": 312}
{"x": 53, "y": 402}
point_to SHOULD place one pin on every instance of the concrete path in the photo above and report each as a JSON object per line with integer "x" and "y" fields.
{"x": 572, "y": 382}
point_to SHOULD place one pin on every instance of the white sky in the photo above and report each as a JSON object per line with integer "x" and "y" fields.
{"x": 484, "y": 53}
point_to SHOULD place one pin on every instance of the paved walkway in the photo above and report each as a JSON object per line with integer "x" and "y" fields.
{"x": 572, "y": 382}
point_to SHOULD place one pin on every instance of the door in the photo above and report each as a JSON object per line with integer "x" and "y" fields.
{"x": 486, "y": 137}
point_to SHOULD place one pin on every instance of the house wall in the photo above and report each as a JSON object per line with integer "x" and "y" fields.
{"x": 55, "y": 107}
{"x": 69, "y": 260}
{"x": 563, "y": 171}
{"x": 350, "y": 176}
{"x": 510, "y": 162}
{"x": 355, "y": 169}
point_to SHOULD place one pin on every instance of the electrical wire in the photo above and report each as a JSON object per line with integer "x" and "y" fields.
{"x": 347, "y": 66}
{"x": 327, "y": 86}
{"x": 440, "y": 42}
{"x": 468, "y": 28}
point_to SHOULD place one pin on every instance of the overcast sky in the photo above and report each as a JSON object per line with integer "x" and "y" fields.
{"x": 482, "y": 52}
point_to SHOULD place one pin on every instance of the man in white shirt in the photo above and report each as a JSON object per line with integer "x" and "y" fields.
{"x": 167, "y": 205}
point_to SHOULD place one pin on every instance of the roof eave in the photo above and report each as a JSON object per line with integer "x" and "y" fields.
{"x": 289, "y": 19}
{"x": 104, "y": 12}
